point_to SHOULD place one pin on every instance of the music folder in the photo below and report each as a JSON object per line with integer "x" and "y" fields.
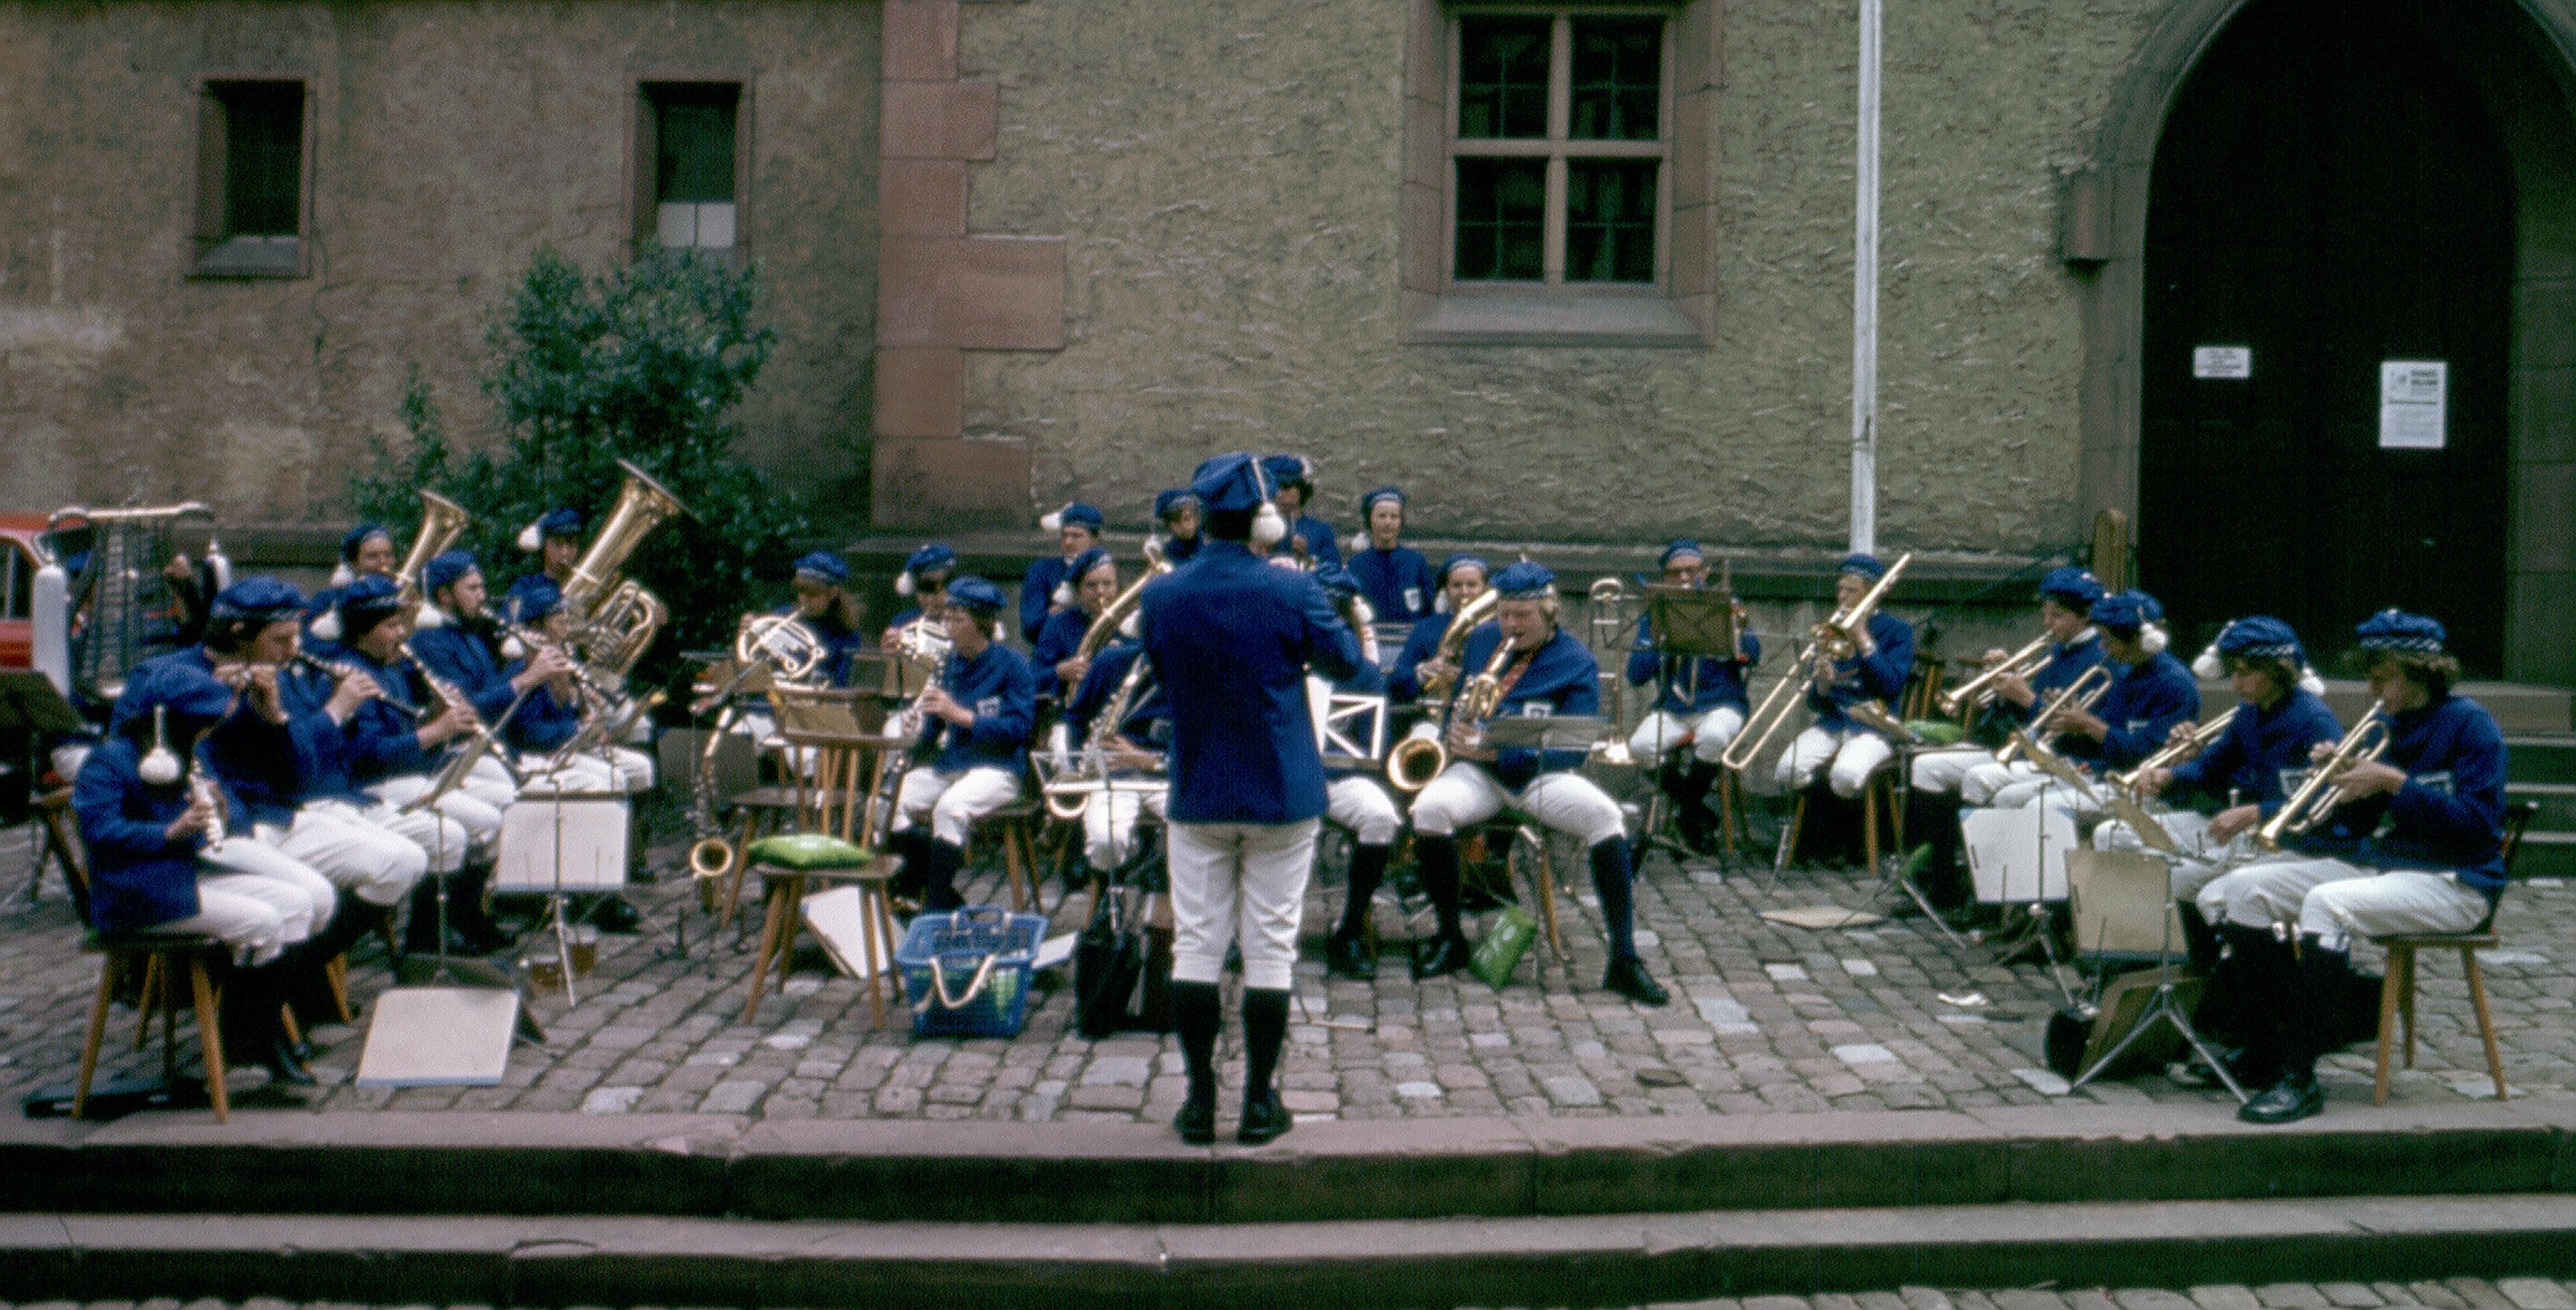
{"x": 1691, "y": 621}
{"x": 1545, "y": 732}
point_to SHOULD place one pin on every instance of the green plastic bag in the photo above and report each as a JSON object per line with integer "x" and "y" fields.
{"x": 1495, "y": 957}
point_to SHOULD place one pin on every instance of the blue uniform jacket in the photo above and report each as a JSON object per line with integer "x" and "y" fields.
{"x": 1232, "y": 637}
{"x": 1180, "y": 550}
{"x": 2067, "y": 661}
{"x": 544, "y": 722}
{"x": 466, "y": 660}
{"x": 1397, "y": 582}
{"x": 1148, "y": 721}
{"x": 1720, "y": 682}
{"x": 1037, "y": 593}
{"x": 1879, "y": 676}
{"x": 1405, "y": 683}
{"x": 1057, "y": 641}
{"x": 322, "y": 747}
{"x": 258, "y": 760}
{"x": 1318, "y": 536}
{"x": 383, "y": 741}
{"x": 996, "y": 686}
{"x": 1562, "y": 678}
{"x": 2261, "y": 749}
{"x": 137, "y": 876}
{"x": 2144, "y": 703}
{"x": 2450, "y": 813}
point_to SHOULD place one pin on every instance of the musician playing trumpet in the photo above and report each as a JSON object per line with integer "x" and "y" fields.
{"x": 2420, "y": 834}
{"x": 2149, "y": 695}
{"x": 1539, "y": 669}
{"x": 975, "y": 722}
{"x": 1700, "y": 703}
{"x": 1875, "y": 669}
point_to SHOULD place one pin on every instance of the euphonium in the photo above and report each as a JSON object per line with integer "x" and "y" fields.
{"x": 622, "y": 629}
{"x": 642, "y": 505}
{"x": 1979, "y": 691}
{"x": 1114, "y": 614}
{"x": 442, "y": 521}
{"x": 795, "y": 655}
{"x": 2320, "y": 794}
{"x": 1836, "y": 638}
{"x": 2200, "y": 738}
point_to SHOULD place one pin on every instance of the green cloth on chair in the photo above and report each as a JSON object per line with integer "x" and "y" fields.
{"x": 1936, "y": 732}
{"x": 809, "y": 850}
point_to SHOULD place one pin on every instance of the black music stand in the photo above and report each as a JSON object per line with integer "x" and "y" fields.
{"x": 2164, "y": 1006}
{"x": 1691, "y": 622}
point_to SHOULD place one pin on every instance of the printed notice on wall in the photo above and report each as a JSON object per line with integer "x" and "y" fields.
{"x": 2231, "y": 363}
{"x": 2411, "y": 396}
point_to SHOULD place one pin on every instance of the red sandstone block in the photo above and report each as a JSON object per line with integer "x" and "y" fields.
{"x": 921, "y": 40}
{"x": 949, "y": 485}
{"x": 921, "y": 393}
{"x": 922, "y": 197}
{"x": 940, "y": 120}
{"x": 978, "y": 293}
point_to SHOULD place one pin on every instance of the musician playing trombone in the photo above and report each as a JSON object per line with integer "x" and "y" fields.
{"x": 976, "y": 717}
{"x": 1700, "y": 703}
{"x": 2421, "y": 831}
{"x": 1355, "y": 798}
{"x": 1461, "y": 579}
{"x": 1880, "y": 663}
{"x": 1539, "y": 669}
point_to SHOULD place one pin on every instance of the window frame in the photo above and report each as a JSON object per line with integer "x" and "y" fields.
{"x": 214, "y": 252}
{"x": 1559, "y": 149}
{"x": 643, "y": 144}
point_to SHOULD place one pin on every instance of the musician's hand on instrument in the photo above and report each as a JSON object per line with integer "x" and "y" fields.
{"x": 547, "y": 663}
{"x": 1435, "y": 671}
{"x": 180, "y": 568}
{"x": 2071, "y": 719}
{"x": 1995, "y": 656}
{"x": 937, "y": 703}
{"x": 1070, "y": 671}
{"x": 260, "y": 688}
{"x": 198, "y": 817}
{"x": 445, "y": 727}
{"x": 2370, "y": 778}
{"x": 2224, "y": 826}
{"x": 2154, "y": 781}
{"x": 353, "y": 691}
{"x": 1466, "y": 743}
{"x": 2015, "y": 688}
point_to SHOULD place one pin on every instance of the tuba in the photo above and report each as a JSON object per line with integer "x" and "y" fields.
{"x": 642, "y": 505}
{"x": 622, "y": 630}
{"x": 1114, "y": 614}
{"x": 442, "y": 521}
{"x": 1453, "y": 640}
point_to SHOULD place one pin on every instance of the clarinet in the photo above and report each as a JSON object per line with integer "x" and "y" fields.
{"x": 202, "y": 789}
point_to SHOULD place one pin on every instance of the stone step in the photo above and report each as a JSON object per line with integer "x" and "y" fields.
{"x": 1597, "y": 1260}
{"x": 2540, "y": 757}
{"x": 707, "y": 1166}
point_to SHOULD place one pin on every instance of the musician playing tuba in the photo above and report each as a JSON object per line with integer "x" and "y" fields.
{"x": 1090, "y": 583}
{"x": 1700, "y": 704}
{"x": 555, "y": 710}
{"x": 1536, "y": 669}
{"x": 2422, "y": 828}
{"x": 1355, "y": 794}
{"x": 975, "y": 722}
{"x": 1876, "y": 668}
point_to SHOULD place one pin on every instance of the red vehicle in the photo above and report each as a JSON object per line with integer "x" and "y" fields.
{"x": 20, "y": 556}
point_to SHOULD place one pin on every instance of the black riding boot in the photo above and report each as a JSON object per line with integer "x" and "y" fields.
{"x": 1197, "y": 1014}
{"x": 1692, "y": 781}
{"x": 1346, "y": 952}
{"x": 2315, "y": 994}
{"x": 939, "y": 865}
{"x": 1932, "y": 819}
{"x": 1613, "y": 877}
{"x": 1265, "y": 1030}
{"x": 255, "y": 1023}
{"x": 1436, "y": 859}
{"x": 308, "y": 981}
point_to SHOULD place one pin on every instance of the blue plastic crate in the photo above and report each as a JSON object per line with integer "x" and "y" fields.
{"x": 966, "y": 972}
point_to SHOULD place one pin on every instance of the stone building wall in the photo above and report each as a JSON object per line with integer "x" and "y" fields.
{"x": 450, "y": 142}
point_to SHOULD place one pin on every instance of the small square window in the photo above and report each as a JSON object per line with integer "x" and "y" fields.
{"x": 252, "y": 157}
{"x": 695, "y": 131}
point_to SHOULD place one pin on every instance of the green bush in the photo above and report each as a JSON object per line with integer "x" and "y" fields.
{"x": 642, "y": 363}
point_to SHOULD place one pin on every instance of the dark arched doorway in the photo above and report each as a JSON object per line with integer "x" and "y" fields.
{"x": 2331, "y": 191}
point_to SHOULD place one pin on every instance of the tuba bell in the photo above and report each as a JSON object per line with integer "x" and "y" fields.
{"x": 642, "y": 505}
{"x": 442, "y": 521}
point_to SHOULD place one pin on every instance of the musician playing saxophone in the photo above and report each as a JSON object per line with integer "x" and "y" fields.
{"x": 1700, "y": 704}
{"x": 1549, "y": 672}
{"x": 2425, "y": 824}
{"x": 1881, "y": 661}
{"x": 1355, "y": 793}
{"x": 1077, "y": 527}
{"x": 2150, "y": 694}
{"x": 975, "y": 729}
{"x": 1134, "y": 748}
{"x": 1461, "y": 579}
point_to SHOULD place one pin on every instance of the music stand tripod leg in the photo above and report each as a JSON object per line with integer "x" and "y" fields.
{"x": 2163, "y": 1007}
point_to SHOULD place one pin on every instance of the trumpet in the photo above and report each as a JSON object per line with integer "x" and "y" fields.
{"x": 2199, "y": 738}
{"x": 2083, "y": 694}
{"x": 1836, "y": 638}
{"x": 2320, "y": 794}
{"x": 1979, "y": 692}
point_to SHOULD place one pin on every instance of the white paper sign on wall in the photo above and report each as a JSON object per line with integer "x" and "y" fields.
{"x": 2229, "y": 363}
{"x": 2412, "y": 400}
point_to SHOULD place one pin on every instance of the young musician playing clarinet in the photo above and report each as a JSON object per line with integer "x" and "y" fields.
{"x": 975, "y": 729}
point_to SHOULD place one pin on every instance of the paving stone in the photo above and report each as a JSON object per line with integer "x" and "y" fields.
{"x": 2356, "y": 1295}
{"x": 2225, "y": 1296}
{"x": 2292, "y": 1296}
{"x": 2536, "y": 1294}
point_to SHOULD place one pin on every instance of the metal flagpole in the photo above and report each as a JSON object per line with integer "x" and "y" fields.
{"x": 1864, "y": 484}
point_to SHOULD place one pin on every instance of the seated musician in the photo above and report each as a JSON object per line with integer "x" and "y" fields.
{"x": 2150, "y": 694}
{"x": 396, "y": 741}
{"x": 458, "y": 642}
{"x": 555, "y": 539}
{"x": 976, "y": 721}
{"x": 2066, "y": 597}
{"x": 1077, "y": 527}
{"x": 2250, "y": 770}
{"x": 367, "y": 550}
{"x": 1699, "y": 705}
{"x": 556, "y": 708}
{"x": 271, "y": 752}
{"x": 1088, "y": 587}
{"x": 170, "y": 851}
{"x": 1355, "y": 791}
{"x": 1176, "y": 516}
{"x": 1131, "y": 748}
{"x": 2420, "y": 831}
{"x": 1549, "y": 672}
{"x": 1877, "y": 669}
{"x": 824, "y": 603}
{"x": 1309, "y": 542}
{"x": 924, "y": 582}
{"x": 1394, "y": 576}
{"x": 1461, "y": 579}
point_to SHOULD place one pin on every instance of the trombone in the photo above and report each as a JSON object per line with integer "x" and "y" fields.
{"x": 1837, "y": 637}
{"x": 1979, "y": 692}
{"x": 2083, "y": 694}
{"x": 2320, "y": 794}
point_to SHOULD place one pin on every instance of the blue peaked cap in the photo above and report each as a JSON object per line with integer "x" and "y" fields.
{"x": 260, "y": 598}
{"x": 1525, "y": 581}
{"x": 444, "y": 569}
{"x": 2397, "y": 630}
{"x": 975, "y": 594}
{"x": 1230, "y": 483}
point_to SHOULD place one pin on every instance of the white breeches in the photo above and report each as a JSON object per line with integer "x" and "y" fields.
{"x": 1241, "y": 884}
{"x": 2190, "y": 833}
{"x": 599, "y": 769}
{"x": 338, "y": 841}
{"x": 2047, "y": 790}
{"x": 480, "y": 820}
{"x": 1711, "y": 733}
{"x": 1947, "y": 770}
{"x": 1359, "y": 802}
{"x": 951, "y": 803}
{"x": 1985, "y": 778}
{"x": 2336, "y": 902}
{"x": 1464, "y": 794}
{"x": 302, "y": 898}
{"x": 1109, "y": 823}
{"x": 1853, "y": 753}
{"x": 243, "y": 911}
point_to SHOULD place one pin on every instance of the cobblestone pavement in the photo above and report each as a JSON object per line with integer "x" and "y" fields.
{"x": 2446, "y": 1294}
{"x": 1765, "y": 1018}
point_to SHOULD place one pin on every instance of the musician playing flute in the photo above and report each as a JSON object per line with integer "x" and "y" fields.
{"x": 1700, "y": 704}
{"x": 1462, "y": 578}
{"x": 1232, "y": 640}
{"x": 1355, "y": 797}
{"x": 1394, "y": 576}
{"x": 975, "y": 724}
{"x": 2422, "y": 829}
{"x": 1881, "y": 660}
{"x": 1549, "y": 672}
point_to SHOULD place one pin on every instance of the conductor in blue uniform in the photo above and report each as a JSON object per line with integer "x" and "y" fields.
{"x": 1232, "y": 639}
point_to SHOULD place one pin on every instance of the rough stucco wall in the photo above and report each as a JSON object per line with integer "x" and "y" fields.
{"x": 451, "y": 141}
{"x": 1227, "y": 176}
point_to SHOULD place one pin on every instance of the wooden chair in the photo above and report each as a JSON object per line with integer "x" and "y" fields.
{"x": 784, "y": 891}
{"x": 161, "y": 951}
{"x": 2397, "y": 989}
{"x": 61, "y": 843}
{"x": 1015, "y": 826}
